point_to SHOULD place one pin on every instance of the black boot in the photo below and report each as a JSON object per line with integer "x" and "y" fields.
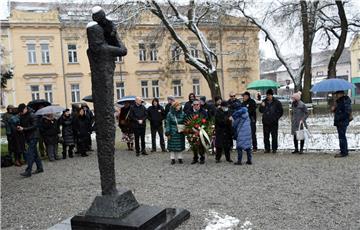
{"x": 180, "y": 161}
{"x": 64, "y": 155}
{"x": 302, "y": 146}
{"x": 173, "y": 161}
{"x": 129, "y": 146}
{"x": 296, "y": 144}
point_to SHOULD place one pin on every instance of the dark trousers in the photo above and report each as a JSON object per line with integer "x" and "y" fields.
{"x": 139, "y": 133}
{"x": 32, "y": 156}
{"x": 273, "y": 130}
{"x": 342, "y": 140}
{"x": 82, "y": 146}
{"x": 253, "y": 134}
{"x": 10, "y": 145}
{"x": 160, "y": 131}
{"x": 199, "y": 151}
{"x": 70, "y": 151}
{"x": 240, "y": 154}
{"x": 220, "y": 150}
{"x": 51, "y": 150}
{"x": 41, "y": 146}
{"x": 296, "y": 144}
{"x": 88, "y": 142}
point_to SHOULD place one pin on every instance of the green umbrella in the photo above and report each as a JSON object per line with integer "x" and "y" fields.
{"x": 263, "y": 84}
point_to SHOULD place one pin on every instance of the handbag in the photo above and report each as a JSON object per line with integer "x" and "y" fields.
{"x": 125, "y": 121}
{"x": 180, "y": 128}
{"x": 300, "y": 133}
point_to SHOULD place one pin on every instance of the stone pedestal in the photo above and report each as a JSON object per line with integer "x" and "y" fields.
{"x": 123, "y": 212}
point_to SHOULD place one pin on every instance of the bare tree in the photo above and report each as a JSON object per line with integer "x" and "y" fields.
{"x": 172, "y": 18}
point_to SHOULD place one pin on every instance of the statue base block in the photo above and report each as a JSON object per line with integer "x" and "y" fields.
{"x": 143, "y": 218}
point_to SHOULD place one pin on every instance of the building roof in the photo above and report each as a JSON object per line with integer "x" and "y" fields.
{"x": 318, "y": 59}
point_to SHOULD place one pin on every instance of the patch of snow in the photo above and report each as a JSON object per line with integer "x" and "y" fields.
{"x": 221, "y": 222}
{"x": 247, "y": 225}
{"x": 90, "y": 24}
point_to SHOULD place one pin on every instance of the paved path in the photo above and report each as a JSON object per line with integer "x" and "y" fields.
{"x": 283, "y": 191}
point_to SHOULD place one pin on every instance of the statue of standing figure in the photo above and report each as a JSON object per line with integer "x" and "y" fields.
{"x": 104, "y": 46}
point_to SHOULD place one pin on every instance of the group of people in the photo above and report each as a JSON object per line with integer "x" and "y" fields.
{"x": 233, "y": 119}
{"x": 26, "y": 131}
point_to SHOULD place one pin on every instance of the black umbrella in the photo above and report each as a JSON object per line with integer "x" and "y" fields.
{"x": 88, "y": 98}
{"x": 38, "y": 104}
{"x": 130, "y": 99}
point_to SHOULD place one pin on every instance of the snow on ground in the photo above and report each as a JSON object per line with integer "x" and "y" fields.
{"x": 217, "y": 221}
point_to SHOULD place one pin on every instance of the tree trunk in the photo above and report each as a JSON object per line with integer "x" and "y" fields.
{"x": 341, "y": 44}
{"x": 213, "y": 83}
{"x": 306, "y": 94}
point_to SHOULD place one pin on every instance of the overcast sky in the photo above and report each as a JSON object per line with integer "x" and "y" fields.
{"x": 266, "y": 47}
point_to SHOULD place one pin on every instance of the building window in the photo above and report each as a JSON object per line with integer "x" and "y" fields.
{"x": 175, "y": 53}
{"x": 120, "y": 90}
{"x": 212, "y": 47}
{"x": 196, "y": 87}
{"x": 72, "y": 53}
{"x": 119, "y": 59}
{"x": 142, "y": 52}
{"x": 155, "y": 89}
{"x": 194, "y": 51}
{"x": 35, "y": 92}
{"x": 177, "y": 88}
{"x": 48, "y": 93}
{"x": 45, "y": 53}
{"x": 153, "y": 52}
{"x": 31, "y": 53}
{"x": 320, "y": 73}
{"x": 75, "y": 93}
{"x": 144, "y": 89}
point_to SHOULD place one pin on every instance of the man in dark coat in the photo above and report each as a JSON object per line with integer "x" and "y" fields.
{"x": 197, "y": 110}
{"x": 233, "y": 102}
{"x": 272, "y": 110}
{"x": 29, "y": 126}
{"x": 81, "y": 131}
{"x": 90, "y": 117}
{"x": 156, "y": 115}
{"x": 68, "y": 139}
{"x": 208, "y": 107}
{"x": 342, "y": 118}
{"x": 250, "y": 104}
{"x": 188, "y": 105}
{"x": 223, "y": 132}
{"x": 49, "y": 130}
{"x": 138, "y": 115}
{"x": 5, "y": 118}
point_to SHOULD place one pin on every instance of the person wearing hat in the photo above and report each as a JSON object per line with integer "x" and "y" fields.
{"x": 208, "y": 107}
{"x": 138, "y": 115}
{"x": 5, "y": 118}
{"x": 272, "y": 111}
{"x": 299, "y": 113}
{"x": 29, "y": 127}
{"x": 223, "y": 132}
{"x": 66, "y": 121}
{"x": 250, "y": 104}
{"x": 342, "y": 118}
{"x": 176, "y": 138}
{"x": 171, "y": 100}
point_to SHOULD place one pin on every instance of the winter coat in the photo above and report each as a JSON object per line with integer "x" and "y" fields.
{"x": 67, "y": 130}
{"x": 298, "y": 112}
{"x": 17, "y": 137}
{"x": 242, "y": 129}
{"x": 29, "y": 122}
{"x": 342, "y": 111}
{"x": 124, "y": 120}
{"x": 201, "y": 112}
{"x": 138, "y": 112}
{"x": 168, "y": 108}
{"x": 223, "y": 129}
{"x": 81, "y": 128}
{"x": 210, "y": 110}
{"x": 49, "y": 131}
{"x": 91, "y": 119}
{"x": 250, "y": 104}
{"x": 188, "y": 107}
{"x": 156, "y": 115}
{"x": 272, "y": 111}
{"x": 5, "y": 118}
{"x": 232, "y": 104}
{"x": 177, "y": 140}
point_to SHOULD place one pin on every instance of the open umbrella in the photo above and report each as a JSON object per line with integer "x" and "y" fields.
{"x": 263, "y": 84}
{"x": 88, "y": 98}
{"x": 38, "y": 104}
{"x": 52, "y": 109}
{"x": 332, "y": 85}
{"x": 126, "y": 99}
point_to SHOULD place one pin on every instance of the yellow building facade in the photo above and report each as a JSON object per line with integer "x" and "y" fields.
{"x": 355, "y": 64}
{"x": 48, "y": 56}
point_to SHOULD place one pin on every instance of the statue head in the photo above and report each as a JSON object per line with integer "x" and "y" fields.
{"x": 98, "y": 15}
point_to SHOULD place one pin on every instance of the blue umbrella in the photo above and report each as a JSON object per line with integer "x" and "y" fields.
{"x": 332, "y": 85}
{"x": 126, "y": 99}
